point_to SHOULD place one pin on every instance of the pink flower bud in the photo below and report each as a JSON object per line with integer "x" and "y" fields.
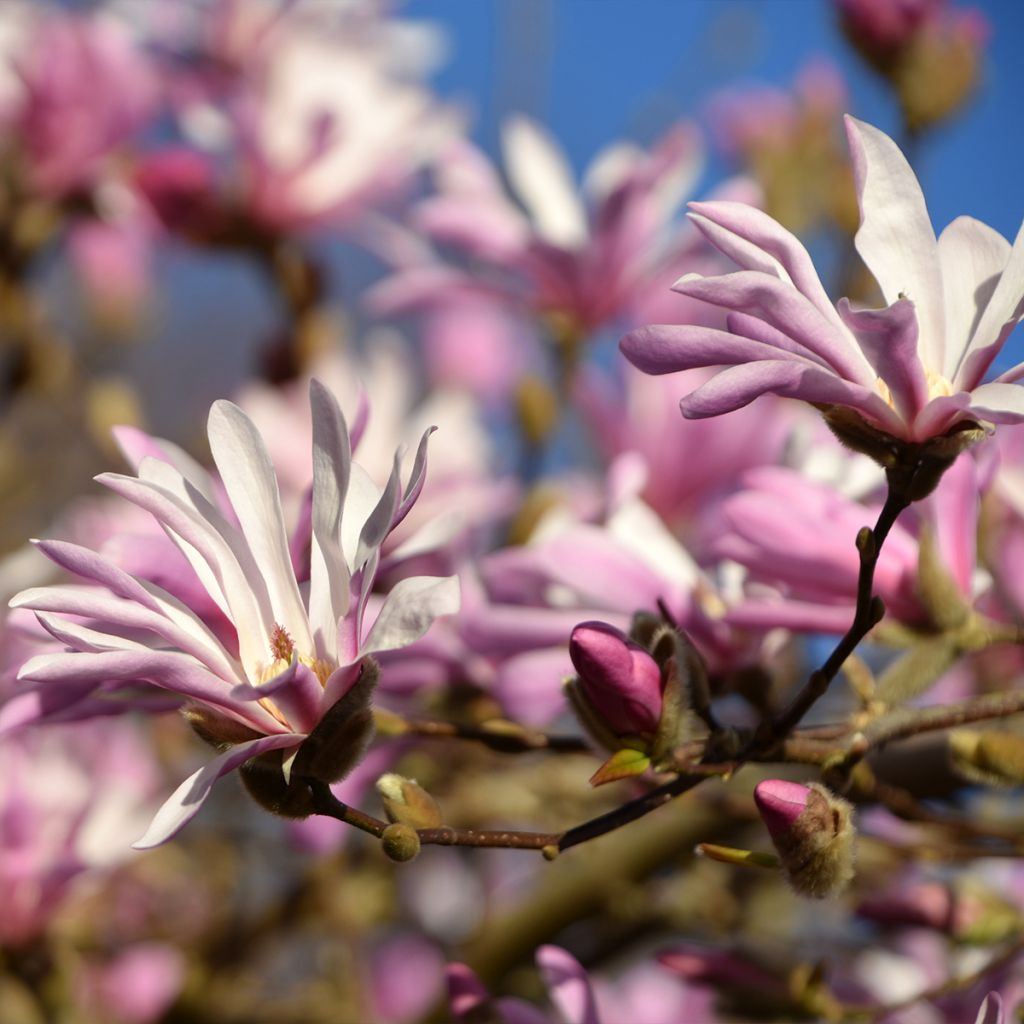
{"x": 781, "y": 803}
{"x": 618, "y": 679}
{"x": 813, "y": 834}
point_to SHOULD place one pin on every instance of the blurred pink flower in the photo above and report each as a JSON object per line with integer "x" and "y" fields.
{"x": 583, "y": 255}
{"x": 299, "y": 661}
{"x": 86, "y": 87}
{"x": 137, "y": 986}
{"x": 795, "y": 536}
{"x": 912, "y": 369}
{"x": 71, "y": 798}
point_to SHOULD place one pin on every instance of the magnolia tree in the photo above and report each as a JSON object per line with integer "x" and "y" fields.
{"x": 542, "y": 702}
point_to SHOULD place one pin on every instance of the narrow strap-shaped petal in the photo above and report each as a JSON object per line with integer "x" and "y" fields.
{"x": 378, "y": 523}
{"x": 183, "y": 805}
{"x": 124, "y": 614}
{"x": 249, "y": 479}
{"x": 668, "y": 348}
{"x": 539, "y": 174}
{"x": 137, "y": 445}
{"x": 746, "y": 326}
{"x": 786, "y": 309}
{"x": 167, "y": 669}
{"x": 896, "y": 239}
{"x": 84, "y": 639}
{"x": 416, "y": 479}
{"x": 91, "y": 566}
{"x": 738, "y": 386}
{"x": 972, "y": 256}
{"x": 409, "y": 610}
{"x": 329, "y": 572}
{"x": 238, "y": 593}
{"x": 742, "y": 231}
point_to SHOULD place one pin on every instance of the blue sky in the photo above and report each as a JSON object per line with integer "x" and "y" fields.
{"x": 598, "y": 69}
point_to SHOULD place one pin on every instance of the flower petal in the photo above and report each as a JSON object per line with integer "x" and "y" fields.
{"x": 666, "y": 348}
{"x": 568, "y": 985}
{"x": 539, "y": 174}
{"x": 758, "y": 242}
{"x": 973, "y": 256}
{"x": 249, "y": 479}
{"x": 329, "y": 572}
{"x": 1001, "y": 314}
{"x": 184, "y": 803}
{"x": 409, "y": 610}
{"x": 221, "y": 560}
{"x": 896, "y": 239}
{"x": 784, "y": 308}
{"x": 167, "y": 669}
{"x": 740, "y": 385}
{"x": 889, "y": 338}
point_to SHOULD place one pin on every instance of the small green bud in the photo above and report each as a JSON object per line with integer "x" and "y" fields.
{"x": 400, "y": 842}
{"x": 407, "y": 802}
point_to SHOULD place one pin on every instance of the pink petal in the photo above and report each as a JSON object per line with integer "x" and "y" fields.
{"x": 568, "y": 985}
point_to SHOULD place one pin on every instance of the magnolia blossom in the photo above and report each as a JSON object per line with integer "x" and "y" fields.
{"x": 296, "y": 665}
{"x": 587, "y": 254}
{"x": 912, "y": 369}
{"x": 84, "y": 88}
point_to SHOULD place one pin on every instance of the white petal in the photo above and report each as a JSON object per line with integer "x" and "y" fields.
{"x": 221, "y": 561}
{"x": 409, "y": 609}
{"x": 541, "y": 178}
{"x": 329, "y": 574}
{"x": 973, "y": 256}
{"x": 184, "y": 803}
{"x": 896, "y": 239}
{"x": 249, "y": 479}
{"x": 1003, "y": 308}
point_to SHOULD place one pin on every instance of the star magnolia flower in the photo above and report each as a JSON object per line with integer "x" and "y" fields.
{"x": 298, "y": 681}
{"x": 912, "y": 369}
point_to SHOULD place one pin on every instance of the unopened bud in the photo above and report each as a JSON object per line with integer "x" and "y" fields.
{"x": 988, "y": 758}
{"x": 407, "y": 802}
{"x": 812, "y": 830}
{"x": 618, "y": 692}
{"x": 400, "y": 842}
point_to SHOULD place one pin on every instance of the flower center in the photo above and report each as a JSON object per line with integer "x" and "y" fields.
{"x": 282, "y": 651}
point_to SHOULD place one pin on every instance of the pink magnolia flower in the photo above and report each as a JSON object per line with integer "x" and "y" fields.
{"x": 912, "y": 369}
{"x": 70, "y": 798}
{"x": 85, "y": 88}
{"x": 297, "y": 663}
{"x": 586, "y": 255}
{"x": 794, "y": 536}
{"x": 136, "y": 986}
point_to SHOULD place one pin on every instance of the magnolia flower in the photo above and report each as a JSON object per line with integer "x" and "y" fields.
{"x": 912, "y": 369}
{"x": 297, "y": 678}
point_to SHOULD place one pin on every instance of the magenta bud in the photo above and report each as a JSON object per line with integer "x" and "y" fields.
{"x": 812, "y": 831}
{"x": 620, "y": 681}
{"x": 781, "y": 803}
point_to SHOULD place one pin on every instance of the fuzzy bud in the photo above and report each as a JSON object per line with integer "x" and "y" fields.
{"x": 407, "y": 802}
{"x": 400, "y": 842}
{"x": 812, "y": 830}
